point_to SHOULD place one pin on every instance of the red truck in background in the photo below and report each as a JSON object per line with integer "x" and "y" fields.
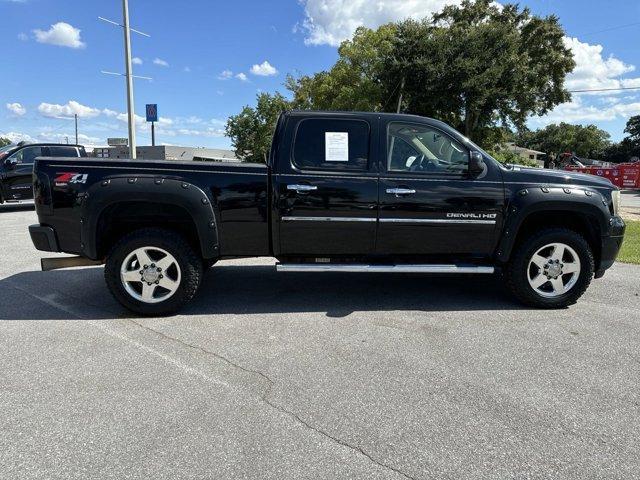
{"x": 622, "y": 175}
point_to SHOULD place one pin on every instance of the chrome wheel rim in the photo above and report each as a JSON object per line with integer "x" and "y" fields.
{"x": 150, "y": 274}
{"x": 553, "y": 270}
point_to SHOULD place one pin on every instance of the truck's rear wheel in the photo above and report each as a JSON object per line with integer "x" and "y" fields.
{"x": 153, "y": 271}
{"x": 551, "y": 269}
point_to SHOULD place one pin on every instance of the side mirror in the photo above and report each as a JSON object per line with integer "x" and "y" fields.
{"x": 476, "y": 164}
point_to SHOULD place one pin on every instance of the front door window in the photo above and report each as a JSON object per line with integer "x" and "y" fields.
{"x": 423, "y": 149}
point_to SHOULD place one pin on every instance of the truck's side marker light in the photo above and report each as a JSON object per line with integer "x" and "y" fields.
{"x": 159, "y": 181}
{"x": 212, "y": 224}
{"x": 105, "y": 183}
{"x": 185, "y": 185}
{"x": 566, "y": 190}
{"x": 544, "y": 189}
{"x": 132, "y": 180}
{"x": 523, "y": 193}
{"x": 204, "y": 201}
{"x": 588, "y": 193}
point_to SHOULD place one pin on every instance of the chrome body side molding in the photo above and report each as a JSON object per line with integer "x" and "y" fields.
{"x": 329, "y": 219}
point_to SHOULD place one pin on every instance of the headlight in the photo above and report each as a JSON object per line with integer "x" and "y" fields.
{"x": 615, "y": 198}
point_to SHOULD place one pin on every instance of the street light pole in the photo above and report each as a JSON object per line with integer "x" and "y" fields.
{"x": 129, "y": 79}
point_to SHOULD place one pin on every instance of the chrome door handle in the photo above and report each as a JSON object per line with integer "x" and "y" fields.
{"x": 401, "y": 191}
{"x": 301, "y": 188}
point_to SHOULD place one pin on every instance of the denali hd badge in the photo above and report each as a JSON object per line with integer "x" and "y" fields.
{"x": 65, "y": 178}
{"x": 479, "y": 216}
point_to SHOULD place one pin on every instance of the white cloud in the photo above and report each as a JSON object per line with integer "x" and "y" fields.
{"x": 581, "y": 109}
{"x": 62, "y": 137}
{"x": 593, "y": 71}
{"x": 329, "y": 22}
{"x": 225, "y": 75}
{"x": 209, "y": 132}
{"x": 265, "y": 69}
{"x": 160, "y": 62}
{"x": 242, "y": 77}
{"x": 136, "y": 61}
{"x": 16, "y": 137}
{"x": 16, "y": 108}
{"x": 61, "y": 34}
{"x": 68, "y": 110}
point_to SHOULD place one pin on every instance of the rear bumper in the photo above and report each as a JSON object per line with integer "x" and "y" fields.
{"x": 44, "y": 238}
{"x": 611, "y": 245}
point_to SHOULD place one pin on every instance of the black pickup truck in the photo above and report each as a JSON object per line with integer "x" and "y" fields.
{"x": 16, "y": 166}
{"x": 341, "y": 192}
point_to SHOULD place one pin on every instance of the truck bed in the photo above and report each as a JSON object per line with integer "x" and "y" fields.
{"x": 238, "y": 193}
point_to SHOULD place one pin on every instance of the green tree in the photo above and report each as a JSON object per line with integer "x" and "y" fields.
{"x": 353, "y": 81}
{"x": 585, "y": 141}
{"x": 4, "y": 141}
{"x": 629, "y": 147}
{"x": 251, "y": 130}
{"x": 478, "y": 65}
{"x": 633, "y": 129}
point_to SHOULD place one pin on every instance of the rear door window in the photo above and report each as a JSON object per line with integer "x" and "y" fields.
{"x": 332, "y": 144}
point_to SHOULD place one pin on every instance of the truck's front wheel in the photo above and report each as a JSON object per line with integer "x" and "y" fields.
{"x": 153, "y": 271}
{"x": 551, "y": 269}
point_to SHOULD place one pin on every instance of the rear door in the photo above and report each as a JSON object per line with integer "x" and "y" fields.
{"x": 326, "y": 186}
{"x": 19, "y": 172}
{"x": 429, "y": 204}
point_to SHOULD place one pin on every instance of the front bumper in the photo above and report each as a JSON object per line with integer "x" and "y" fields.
{"x": 44, "y": 238}
{"x": 611, "y": 244}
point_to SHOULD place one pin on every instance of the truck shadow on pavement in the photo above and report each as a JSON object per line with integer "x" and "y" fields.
{"x": 256, "y": 289}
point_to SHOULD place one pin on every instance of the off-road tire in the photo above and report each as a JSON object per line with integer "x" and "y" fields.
{"x": 190, "y": 265}
{"x": 516, "y": 270}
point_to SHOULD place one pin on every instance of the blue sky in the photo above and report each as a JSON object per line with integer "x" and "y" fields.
{"x": 208, "y": 58}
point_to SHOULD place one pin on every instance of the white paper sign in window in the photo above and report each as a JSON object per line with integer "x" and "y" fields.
{"x": 336, "y": 146}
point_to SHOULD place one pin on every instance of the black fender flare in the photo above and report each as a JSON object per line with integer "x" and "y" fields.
{"x": 579, "y": 200}
{"x": 149, "y": 189}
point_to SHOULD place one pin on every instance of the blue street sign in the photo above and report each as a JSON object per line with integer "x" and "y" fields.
{"x": 152, "y": 112}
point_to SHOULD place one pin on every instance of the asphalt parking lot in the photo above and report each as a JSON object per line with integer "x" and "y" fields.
{"x": 281, "y": 376}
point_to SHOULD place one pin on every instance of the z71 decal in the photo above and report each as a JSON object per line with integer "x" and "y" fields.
{"x": 65, "y": 178}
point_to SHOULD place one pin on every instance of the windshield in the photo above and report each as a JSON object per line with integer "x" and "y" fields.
{"x": 6, "y": 148}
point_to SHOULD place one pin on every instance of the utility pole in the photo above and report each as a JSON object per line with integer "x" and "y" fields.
{"x": 153, "y": 134}
{"x": 128, "y": 74}
{"x": 127, "y": 59}
{"x": 76, "y": 118}
{"x": 400, "y": 97}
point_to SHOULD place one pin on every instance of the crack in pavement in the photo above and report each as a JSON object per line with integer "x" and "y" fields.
{"x": 265, "y": 398}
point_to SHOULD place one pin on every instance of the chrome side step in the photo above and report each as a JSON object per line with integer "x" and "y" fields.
{"x": 346, "y": 267}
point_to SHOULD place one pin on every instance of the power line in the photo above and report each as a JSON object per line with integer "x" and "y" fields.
{"x": 604, "y": 89}
{"x": 610, "y": 29}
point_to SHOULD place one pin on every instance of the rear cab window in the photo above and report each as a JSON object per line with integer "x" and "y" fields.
{"x": 63, "y": 151}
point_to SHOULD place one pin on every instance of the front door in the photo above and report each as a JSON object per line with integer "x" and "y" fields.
{"x": 429, "y": 204}
{"x": 326, "y": 188}
{"x": 18, "y": 173}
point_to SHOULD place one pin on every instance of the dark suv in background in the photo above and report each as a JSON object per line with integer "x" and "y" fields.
{"x": 16, "y": 166}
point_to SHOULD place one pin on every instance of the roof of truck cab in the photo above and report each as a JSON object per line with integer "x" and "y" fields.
{"x": 44, "y": 144}
{"x": 383, "y": 115}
